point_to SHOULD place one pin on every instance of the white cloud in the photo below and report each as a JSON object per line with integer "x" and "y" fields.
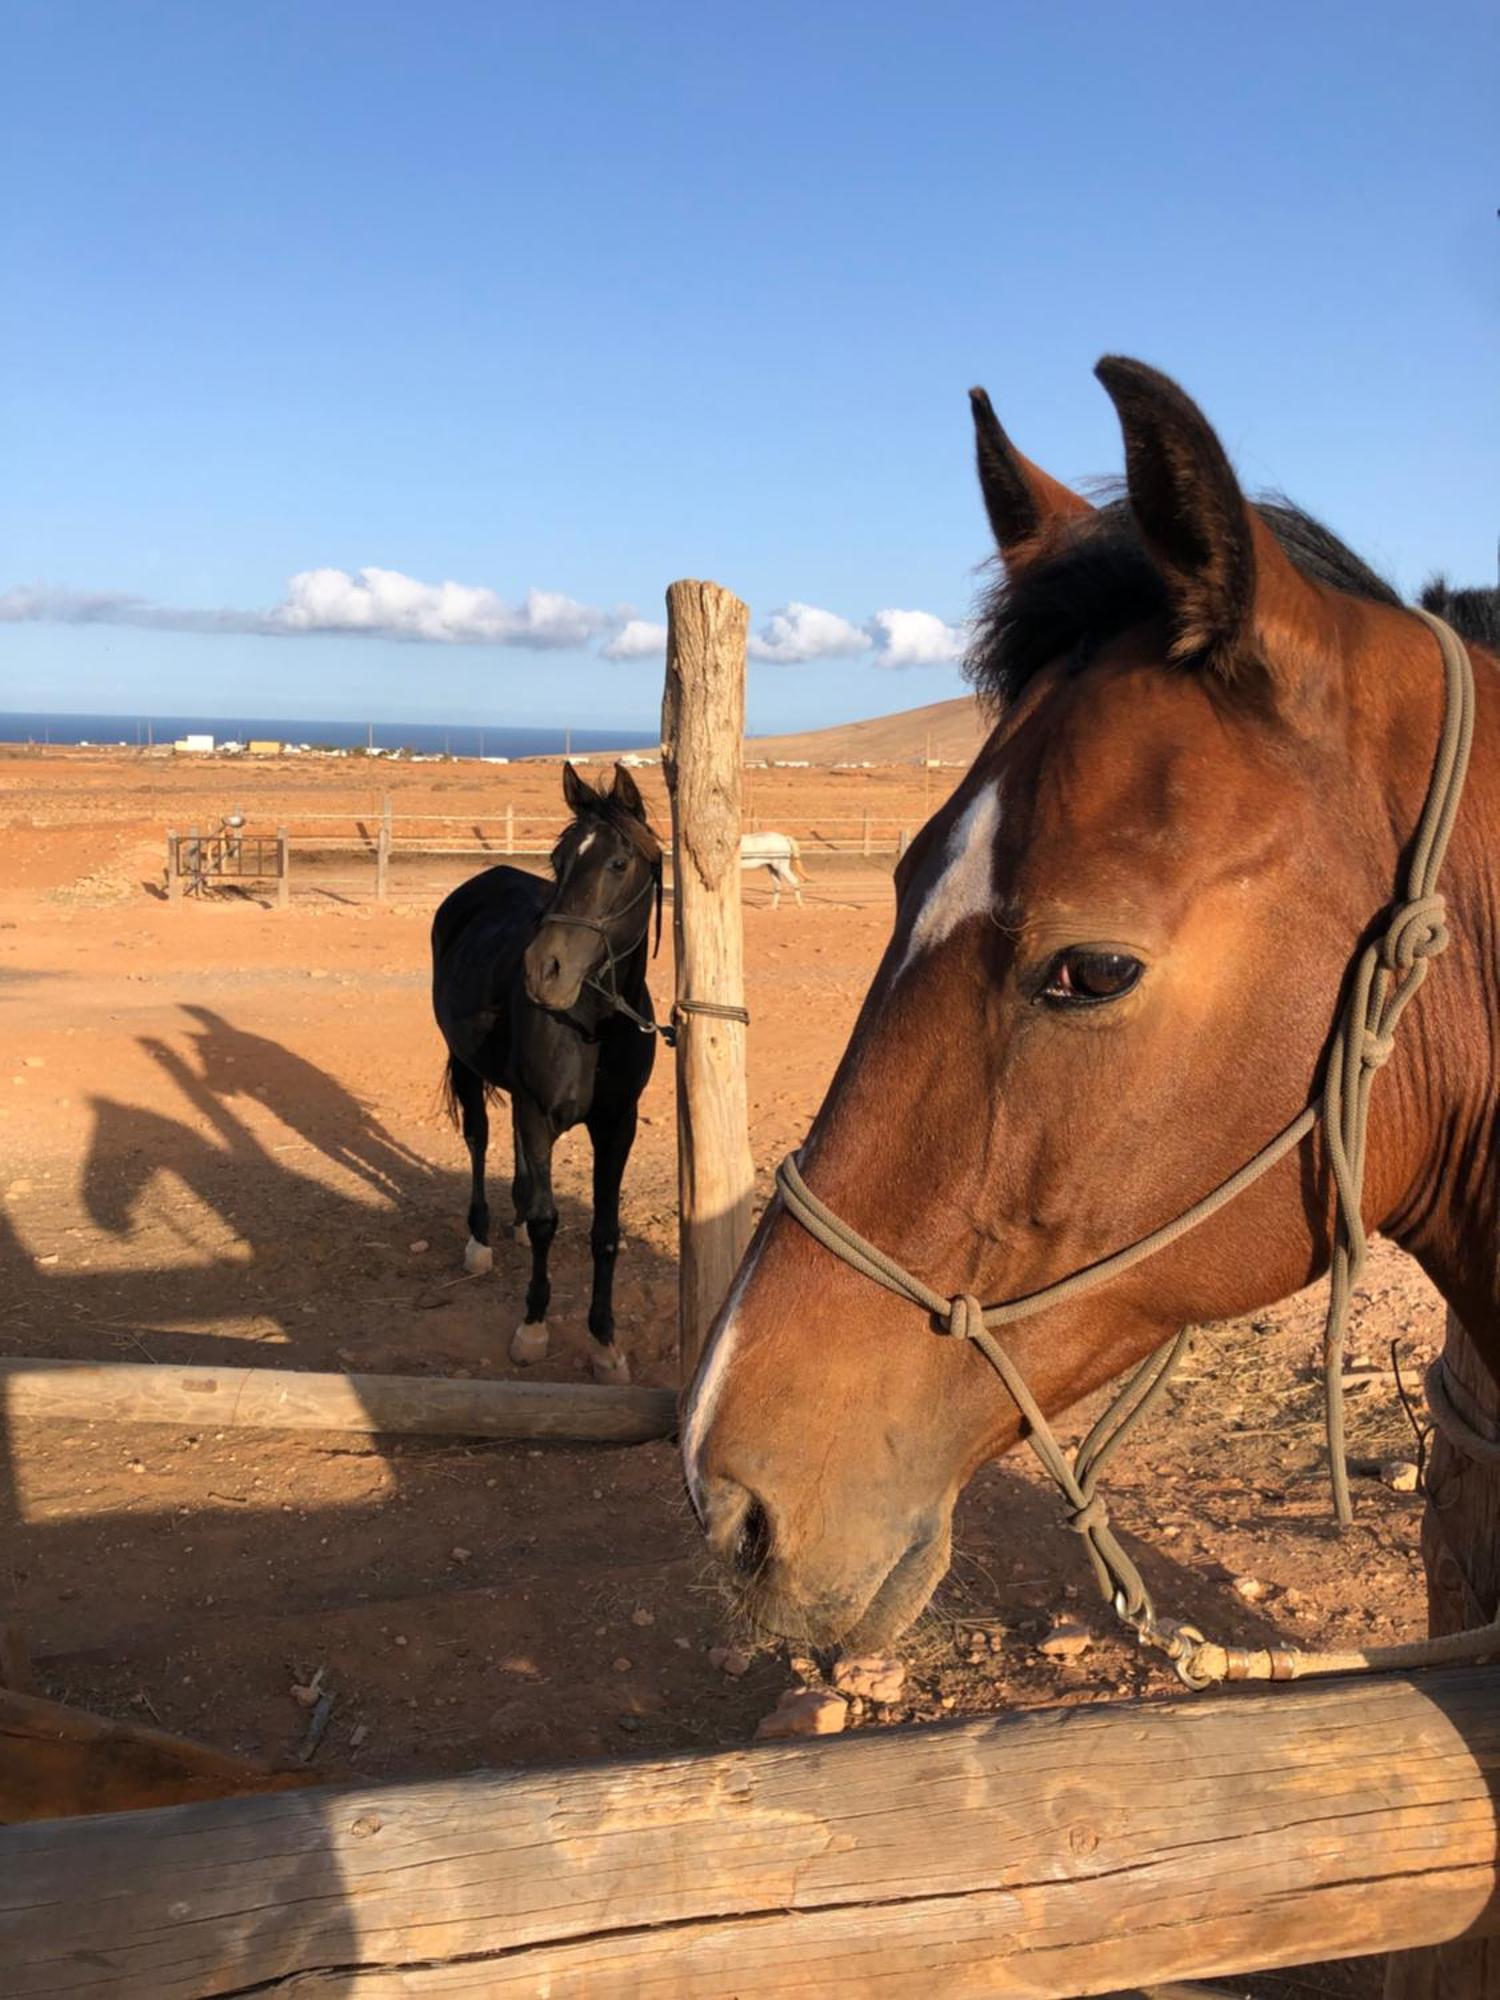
{"x": 891, "y": 638}
{"x": 915, "y": 639}
{"x": 387, "y": 604}
{"x": 380, "y": 603}
{"x": 394, "y": 606}
{"x": 56, "y": 604}
{"x": 803, "y": 632}
{"x": 637, "y": 639}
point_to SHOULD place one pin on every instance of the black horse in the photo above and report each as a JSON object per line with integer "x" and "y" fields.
{"x": 540, "y": 991}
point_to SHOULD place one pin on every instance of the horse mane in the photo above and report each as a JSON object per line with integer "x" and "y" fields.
{"x": 1103, "y": 582}
{"x": 1474, "y": 614}
{"x": 639, "y": 832}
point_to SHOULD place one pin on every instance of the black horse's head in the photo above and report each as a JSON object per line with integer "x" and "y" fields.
{"x": 608, "y": 869}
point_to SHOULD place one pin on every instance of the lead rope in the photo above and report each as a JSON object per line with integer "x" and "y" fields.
{"x": 668, "y": 1030}
{"x": 1386, "y": 976}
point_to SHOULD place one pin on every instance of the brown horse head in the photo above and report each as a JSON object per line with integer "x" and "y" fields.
{"x": 1117, "y": 956}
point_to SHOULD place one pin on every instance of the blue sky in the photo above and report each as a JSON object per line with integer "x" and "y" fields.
{"x": 579, "y": 298}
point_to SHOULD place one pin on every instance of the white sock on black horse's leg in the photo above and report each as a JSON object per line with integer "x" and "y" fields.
{"x": 529, "y": 1342}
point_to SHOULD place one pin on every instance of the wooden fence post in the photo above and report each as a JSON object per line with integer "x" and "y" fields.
{"x": 702, "y": 736}
{"x": 174, "y": 877}
{"x": 1461, "y": 1553}
{"x": 383, "y": 850}
{"x": 284, "y": 873}
{"x": 510, "y": 829}
{"x": 865, "y": 835}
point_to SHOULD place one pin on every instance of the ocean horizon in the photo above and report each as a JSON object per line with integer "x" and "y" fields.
{"x": 456, "y": 739}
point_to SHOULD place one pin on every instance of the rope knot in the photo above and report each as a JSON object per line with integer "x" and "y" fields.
{"x": 965, "y": 1316}
{"x": 1091, "y": 1515}
{"x": 1418, "y": 930}
{"x": 1376, "y": 1050}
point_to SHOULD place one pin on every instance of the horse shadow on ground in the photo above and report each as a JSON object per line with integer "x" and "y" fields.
{"x": 212, "y": 1240}
{"x": 254, "y": 1211}
{"x": 261, "y": 1230}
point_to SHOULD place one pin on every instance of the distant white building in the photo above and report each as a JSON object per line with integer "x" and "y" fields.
{"x": 197, "y": 746}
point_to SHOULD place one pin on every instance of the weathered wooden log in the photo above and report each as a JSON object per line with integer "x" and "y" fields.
{"x": 1059, "y": 1853}
{"x": 57, "y": 1761}
{"x": 702, "y": 740}
{"x": 287, "y": 1399}
{"x": 1461, "y": 1553}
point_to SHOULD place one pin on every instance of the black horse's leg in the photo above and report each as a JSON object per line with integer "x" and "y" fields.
{"x": 520, "y": 1184}
{"x": 469, "y": 1090}
{"x": 612, "y": 1131}
{"x": 534, "y": 1142}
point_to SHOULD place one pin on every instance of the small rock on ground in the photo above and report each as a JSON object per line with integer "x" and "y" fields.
{"x": 1400, "y": 1475}
{"x": 731, "y": 1660}
{"x": 1068, "y": 1640}
{"x": 804, "y": 1712}
{"x": 871, "y": 1677}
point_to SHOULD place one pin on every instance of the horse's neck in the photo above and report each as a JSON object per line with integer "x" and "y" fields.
{"x": 1460, "y": 1244}
{"x": 632, "y": 971}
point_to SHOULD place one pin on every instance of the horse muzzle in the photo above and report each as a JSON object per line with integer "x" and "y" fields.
{"x": 858, "y": 1589}
{"x": 555, "y": 965}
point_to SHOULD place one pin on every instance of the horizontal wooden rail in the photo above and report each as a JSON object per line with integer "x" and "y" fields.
{"x": 320, "y": 843}
{"x": 1065, "y": 1852}
{"x": 56, "y": 1761}
{"x": 803, "y": 826}
{"x": 554, "y": 819}
{"x": 290, "y": 1399}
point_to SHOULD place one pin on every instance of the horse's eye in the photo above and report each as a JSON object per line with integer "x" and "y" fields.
{"x": 618, "y": 865}
{"x": 1088, "y": 978}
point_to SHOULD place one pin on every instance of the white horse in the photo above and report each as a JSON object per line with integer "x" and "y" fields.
{"x": 781, "y": 858}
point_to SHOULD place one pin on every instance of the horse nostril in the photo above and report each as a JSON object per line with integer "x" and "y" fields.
{"x": 752, "y": 1545}
{"x": 553, "y": 969}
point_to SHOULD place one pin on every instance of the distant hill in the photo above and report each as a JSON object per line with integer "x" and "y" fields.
{"x": 950, "y": 731}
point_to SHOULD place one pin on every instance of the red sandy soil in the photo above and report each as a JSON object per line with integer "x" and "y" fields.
{"x": 220, "y": 1141}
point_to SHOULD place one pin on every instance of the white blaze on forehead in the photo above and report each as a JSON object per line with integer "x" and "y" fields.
{"x": 709, "y": 1384}
{"x": 966, "y": 886}
{"x": 587, "y": 842}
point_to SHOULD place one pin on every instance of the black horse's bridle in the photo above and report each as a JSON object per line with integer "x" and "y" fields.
{"x": 604, "y": 979}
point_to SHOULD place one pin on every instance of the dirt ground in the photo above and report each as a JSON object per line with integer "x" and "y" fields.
{"x": 220, "y": 1140}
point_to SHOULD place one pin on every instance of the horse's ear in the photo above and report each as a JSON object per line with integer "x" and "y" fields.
{"x": 1189, "y": 509}
{"x": 627, "y": 794}
{"x": 578, "y": 793}
{"x": 1238, "y": 602}
{"x": 1028, "y": 509}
